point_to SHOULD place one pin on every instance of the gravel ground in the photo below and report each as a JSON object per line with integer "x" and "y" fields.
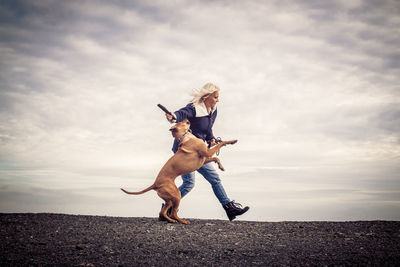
{"x": 58, "y": 239}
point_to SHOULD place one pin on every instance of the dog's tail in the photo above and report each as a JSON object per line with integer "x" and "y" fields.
{"x": 140, "y": 192}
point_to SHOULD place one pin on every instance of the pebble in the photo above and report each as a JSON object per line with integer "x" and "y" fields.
{"x": 70, "y": 240}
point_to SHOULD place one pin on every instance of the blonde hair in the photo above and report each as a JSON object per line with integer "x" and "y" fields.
{"x": 201, "y": 94}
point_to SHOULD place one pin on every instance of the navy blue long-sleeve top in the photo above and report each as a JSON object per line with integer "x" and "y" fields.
{"x": 201, "y": 122}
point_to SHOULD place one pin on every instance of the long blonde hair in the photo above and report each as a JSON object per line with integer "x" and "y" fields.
{"x": 201, "y": 94}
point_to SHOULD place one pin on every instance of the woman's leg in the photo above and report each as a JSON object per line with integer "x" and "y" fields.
{"x": 211, "y": 175}
{"x": 188, "y": 184}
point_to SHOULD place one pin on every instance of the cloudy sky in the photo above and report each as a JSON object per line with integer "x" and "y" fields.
{"x": 310, "y": 88}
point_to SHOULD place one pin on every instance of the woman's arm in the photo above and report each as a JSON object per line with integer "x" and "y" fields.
{"x": 187, "y": 112}
{"x": 210, "y": 135}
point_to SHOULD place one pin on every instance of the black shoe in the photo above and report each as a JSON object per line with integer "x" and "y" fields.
{"x": 234, "y": 209}
{"x": 162, "y": 218}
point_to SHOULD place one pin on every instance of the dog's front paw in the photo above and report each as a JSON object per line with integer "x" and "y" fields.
{"x": 232, "y": 142}
{"x": 220, "y": 166}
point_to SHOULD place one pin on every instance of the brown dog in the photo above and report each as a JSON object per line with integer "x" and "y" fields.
{"x": 191, "y": 155}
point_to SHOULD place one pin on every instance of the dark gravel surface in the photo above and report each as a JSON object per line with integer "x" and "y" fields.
{"x": 57, "y": 239}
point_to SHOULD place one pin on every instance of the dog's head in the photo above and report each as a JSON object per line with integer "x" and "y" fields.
{"x": 180, "y": 128}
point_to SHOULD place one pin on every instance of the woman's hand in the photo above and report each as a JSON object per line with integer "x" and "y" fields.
{"x": 212, "y": 142}
{"x": 169, "y": 117}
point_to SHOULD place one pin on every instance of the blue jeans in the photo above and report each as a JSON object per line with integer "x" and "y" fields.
{"x": 211, "y": 175}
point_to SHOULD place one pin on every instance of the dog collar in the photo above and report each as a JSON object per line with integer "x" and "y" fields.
{"x": 183, "y": 135}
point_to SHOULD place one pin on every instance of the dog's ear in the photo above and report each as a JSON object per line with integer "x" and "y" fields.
{"x": 173, "y": 128}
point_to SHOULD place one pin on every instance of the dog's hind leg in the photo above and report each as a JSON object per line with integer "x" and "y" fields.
{"x": 167, "y": 194}
{"x": 174, "y": 212}
{"x": 163, "y": 212}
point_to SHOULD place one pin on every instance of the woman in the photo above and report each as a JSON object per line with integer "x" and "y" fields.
{"x": 201, "y": 113}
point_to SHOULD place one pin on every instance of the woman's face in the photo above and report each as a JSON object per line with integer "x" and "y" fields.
{"x": 212, "y": 100}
